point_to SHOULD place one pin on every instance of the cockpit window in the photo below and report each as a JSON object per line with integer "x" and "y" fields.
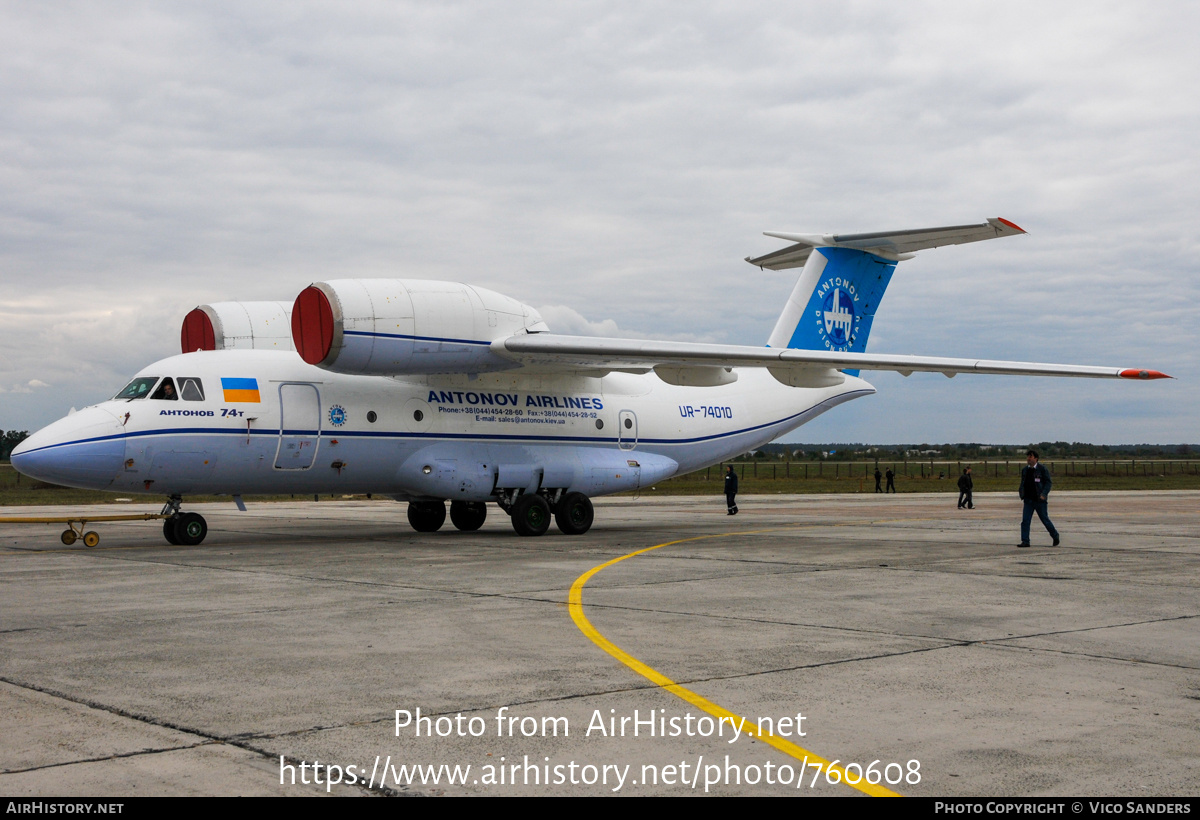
{"x": 190, "y": 389}
{"x": 139, "y": 388}
{"x": 166, "y": 391}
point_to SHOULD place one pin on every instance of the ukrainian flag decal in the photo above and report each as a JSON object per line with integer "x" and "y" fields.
{"x": 241, "y": 390}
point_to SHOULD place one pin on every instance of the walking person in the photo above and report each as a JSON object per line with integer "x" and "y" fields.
{"x": 878, "y": 478}
{"x": 891, "y": 480}
{"x": 1034, "y": 490}
{"x": 966, "y": 486}
{"x": 731, "y": 481}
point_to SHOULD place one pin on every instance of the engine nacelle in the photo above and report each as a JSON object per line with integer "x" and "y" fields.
{"x": 238, "y": 326}
{"x": 389, "y": 327}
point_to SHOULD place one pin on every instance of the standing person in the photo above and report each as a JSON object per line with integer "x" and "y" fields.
{"x": 1034, "y": 489}
{"x": 730, "y": 490}
{"x": 878, "y": 478}
{"x": 965, "y": 487}
{"x": 891, "y": 477}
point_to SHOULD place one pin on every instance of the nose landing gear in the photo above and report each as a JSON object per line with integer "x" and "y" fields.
{"x": 182, "y": 529}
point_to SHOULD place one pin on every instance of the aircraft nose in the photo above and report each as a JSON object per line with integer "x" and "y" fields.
{"x": 86, "y": 449}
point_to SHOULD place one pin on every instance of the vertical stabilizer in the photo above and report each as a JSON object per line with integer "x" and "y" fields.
{"x": 834, "y": 301}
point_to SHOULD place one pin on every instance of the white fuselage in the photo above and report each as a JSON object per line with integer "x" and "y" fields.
{"x": 437, "y": 436}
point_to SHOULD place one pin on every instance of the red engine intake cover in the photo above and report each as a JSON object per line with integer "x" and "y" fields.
{"x": 197, "y": 332}
{"x": 312, "y": 325}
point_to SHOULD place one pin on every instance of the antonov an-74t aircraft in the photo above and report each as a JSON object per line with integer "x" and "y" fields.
{"x": 436, "y": 391}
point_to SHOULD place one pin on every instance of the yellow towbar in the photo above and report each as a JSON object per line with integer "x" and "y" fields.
{"x": 77, "y": 523}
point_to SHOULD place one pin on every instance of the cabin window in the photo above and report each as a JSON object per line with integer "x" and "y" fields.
{"x": 190, "y": 389}
{"x": 139, "y": 388}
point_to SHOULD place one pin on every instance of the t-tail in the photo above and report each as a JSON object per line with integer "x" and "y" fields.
{"x": 845, "y": 276}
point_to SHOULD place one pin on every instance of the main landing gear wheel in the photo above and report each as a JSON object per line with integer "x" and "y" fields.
{"x": 531, "y": 515}
{"x": 190, "y": 529}
{"x": 91, "y": 539}
{"x": 68, "y": 537}
{"x": 169, "y": 530}
{"x": 427, "y": 516}
{"x": 467, "y": 516}
{"x": 574, "y": 514}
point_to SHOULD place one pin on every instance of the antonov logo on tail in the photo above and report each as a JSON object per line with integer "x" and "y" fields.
{"x": 839, "y": 318}
{"x": 533, "y": 422}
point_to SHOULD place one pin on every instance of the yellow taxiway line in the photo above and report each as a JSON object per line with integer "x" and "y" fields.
{"x": 575, "y": 603}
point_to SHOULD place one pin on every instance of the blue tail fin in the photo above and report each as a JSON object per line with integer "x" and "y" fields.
{"x": 834, "y": 301}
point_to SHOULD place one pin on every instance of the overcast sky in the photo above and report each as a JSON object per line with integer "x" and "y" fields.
{"x": 612, "y": 164}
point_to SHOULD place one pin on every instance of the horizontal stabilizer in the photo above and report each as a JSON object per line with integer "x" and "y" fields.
{"x": 891, "y": 245}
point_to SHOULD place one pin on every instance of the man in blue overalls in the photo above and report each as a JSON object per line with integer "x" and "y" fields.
{"x": 731, "y": 481}
{"x": 1034, "y": 489}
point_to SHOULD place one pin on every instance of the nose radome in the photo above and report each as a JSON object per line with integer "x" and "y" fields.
{"x": 85, "y": 449}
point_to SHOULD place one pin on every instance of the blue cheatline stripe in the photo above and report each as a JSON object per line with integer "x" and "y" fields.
{"x": 239, "y": 384}
{"x": 456, "y": 436}
{"x": 414, "y": 338}
{"x": 72, "y": 443}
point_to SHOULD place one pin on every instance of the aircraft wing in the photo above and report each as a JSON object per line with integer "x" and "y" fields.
{"x": 892, "y": 245}
{"x": 546, "y": 351}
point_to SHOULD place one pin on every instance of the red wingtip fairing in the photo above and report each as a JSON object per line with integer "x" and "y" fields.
{"x": 1144, "y": 374}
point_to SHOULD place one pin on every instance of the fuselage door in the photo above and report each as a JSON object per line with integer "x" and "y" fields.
{"x": 627, "y": 430}
{"x": 299, "y": 426}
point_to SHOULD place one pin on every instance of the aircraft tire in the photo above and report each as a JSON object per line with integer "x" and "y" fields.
{"x": 467, "y": 516}
{"x": 91, "y": 538}
{"x": 426, "y": 516}
{"x": 190, "y": 529}
{"x": 574, "y": 514}
{"x": 169, "y": 531}
{"x": 531, "y": 515}
{"x": 68, "y": 537}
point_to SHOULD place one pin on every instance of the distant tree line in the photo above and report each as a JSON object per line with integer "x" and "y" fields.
{"x": 9, "y": 440}
{"x": 970, "y": 451}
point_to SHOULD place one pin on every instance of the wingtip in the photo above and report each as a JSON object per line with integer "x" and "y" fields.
{"x": 1143, "y": 375}
{"x": 1011, "y": 224}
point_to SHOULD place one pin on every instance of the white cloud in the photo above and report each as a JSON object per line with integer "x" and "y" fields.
{"x": 570, "y": 322}
{"x": 611, "y": 160}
